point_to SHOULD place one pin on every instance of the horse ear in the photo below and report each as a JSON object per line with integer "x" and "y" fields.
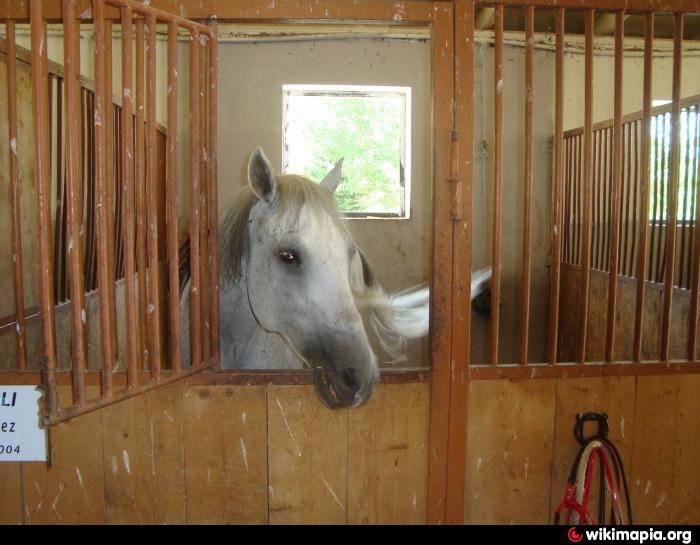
{"x": 260, "y": 177}
{"x": 332, "y": 179}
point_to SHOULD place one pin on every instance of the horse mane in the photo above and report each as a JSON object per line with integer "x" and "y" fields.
{"x": 393, "y": 318}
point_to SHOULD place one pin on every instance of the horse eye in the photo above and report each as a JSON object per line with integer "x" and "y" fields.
{"x": 290, "y": 257}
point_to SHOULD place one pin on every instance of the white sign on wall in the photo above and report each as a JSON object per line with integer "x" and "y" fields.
{"x": 21, "y": 438}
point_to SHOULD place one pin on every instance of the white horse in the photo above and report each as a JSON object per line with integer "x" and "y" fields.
{"x": 294, "y": 285}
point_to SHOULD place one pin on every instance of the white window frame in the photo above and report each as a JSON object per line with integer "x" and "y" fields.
{"x": 362, "y": 91}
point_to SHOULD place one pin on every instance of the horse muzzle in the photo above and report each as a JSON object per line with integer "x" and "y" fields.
{"x": 348, "y": 387}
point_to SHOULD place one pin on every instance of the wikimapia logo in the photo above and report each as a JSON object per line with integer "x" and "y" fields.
{"x": 635, "y": 536}
{"x": 573, "y": 535}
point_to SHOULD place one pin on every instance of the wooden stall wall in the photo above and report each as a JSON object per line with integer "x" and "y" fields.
{"x": 273, "y": 454}
{"x": 521, "y": 445}
{"x": 231, "y": 454}
{"x": 626, "y": 301}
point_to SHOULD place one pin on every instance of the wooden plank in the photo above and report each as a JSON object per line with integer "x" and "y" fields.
{"x": 383, "y": 10}
{"x": 388, "y": 456}
{"x": 72, "y": 490}
{"x": 686, "y": 481}
{"x": 625, "y": 309}
{"x": 666, "y": 481}
{"x": 596, "y": 316}
{"x": 462, "y": 159}
{"x": 509, "y": 460}
{"x": 225, "y": 454}
{"x": 10, "y": 493}
{"x": 307, "y": 458}
{"x": 611, "y": 395}
{"x": 568, "y": 314}
{"x": 144, "y": 461}
{"x": 441, "y": 290}
{"x": 654, "y": 456}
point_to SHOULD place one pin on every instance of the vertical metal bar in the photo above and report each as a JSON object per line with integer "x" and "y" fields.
{"x": 127, "y": 208}
{"x": 203, "y": 205}
{"x": 92, "y": 189}
{"x": 60, "y": 216}
{"x": 527, "y": 201}
{"x": 555, "y": 280}
{"x": 102, "y": 110}
{"x": 195, "y": 146}
{"x": 213, "y": 197}
{"x": 684, "y": 205}
{"x": 110, "y": 183}
{"x": 567, "y": 182}
{"x": 598, "y": 214}
{"x": 71, "y": 66}
{"x": 15, "y": 200}
{"x": 140, "y": 190}
{"x": 152, "y": 199}
{"x": 672, "y": 199}
{"x": 575, "y": 166}
{"x": 627, "y": 186}
{"x": 662, "y": 186}
{"x": 693, "y": 143}
{"x": 172, "y": 205}
{"x": 606, "y": 181}
{"x": 497, "y": 185}
{"x": 119, "y": 197}
{"x": 577, "y": 202}
{"x": 573, "y": 188}
{"x": 629, "y": 262}
{"x": 88, "y": 130}
{"x": 615, "y": 189}
{"x": 43, "y": 201}
{"x": 587, "y": 171}
{"x": 655, "y": 187}
{"x": 694, "y": 283}
{"x": 52, "y": 154}
{"x": 569, "y": 198}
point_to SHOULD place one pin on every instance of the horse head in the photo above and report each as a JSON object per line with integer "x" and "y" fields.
{"x": 298, "y": 275}
{"x": 291, "y": 267}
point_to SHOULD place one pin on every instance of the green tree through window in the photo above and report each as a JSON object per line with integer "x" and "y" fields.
{"x": 366, "y": 128}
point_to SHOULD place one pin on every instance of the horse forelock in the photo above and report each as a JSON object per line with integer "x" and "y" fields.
{"x": 294, "y": 194}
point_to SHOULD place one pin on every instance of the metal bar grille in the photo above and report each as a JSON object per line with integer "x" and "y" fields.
{"x": 108, "y": 161}
{"x": 623, "y": 194}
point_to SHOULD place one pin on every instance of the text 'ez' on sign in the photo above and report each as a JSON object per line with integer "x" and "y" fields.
{"x": 21, "y": 437}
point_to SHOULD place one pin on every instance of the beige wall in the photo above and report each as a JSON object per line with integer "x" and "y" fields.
{"x": 251, "y": 76}
{"x": 633, "y": 78}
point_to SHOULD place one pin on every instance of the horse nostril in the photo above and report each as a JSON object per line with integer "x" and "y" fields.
{"x": 350, "y": 379}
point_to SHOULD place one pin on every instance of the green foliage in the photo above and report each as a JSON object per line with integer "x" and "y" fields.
{"x": 688, "y": 166}
{"x": 365, "y": 132}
